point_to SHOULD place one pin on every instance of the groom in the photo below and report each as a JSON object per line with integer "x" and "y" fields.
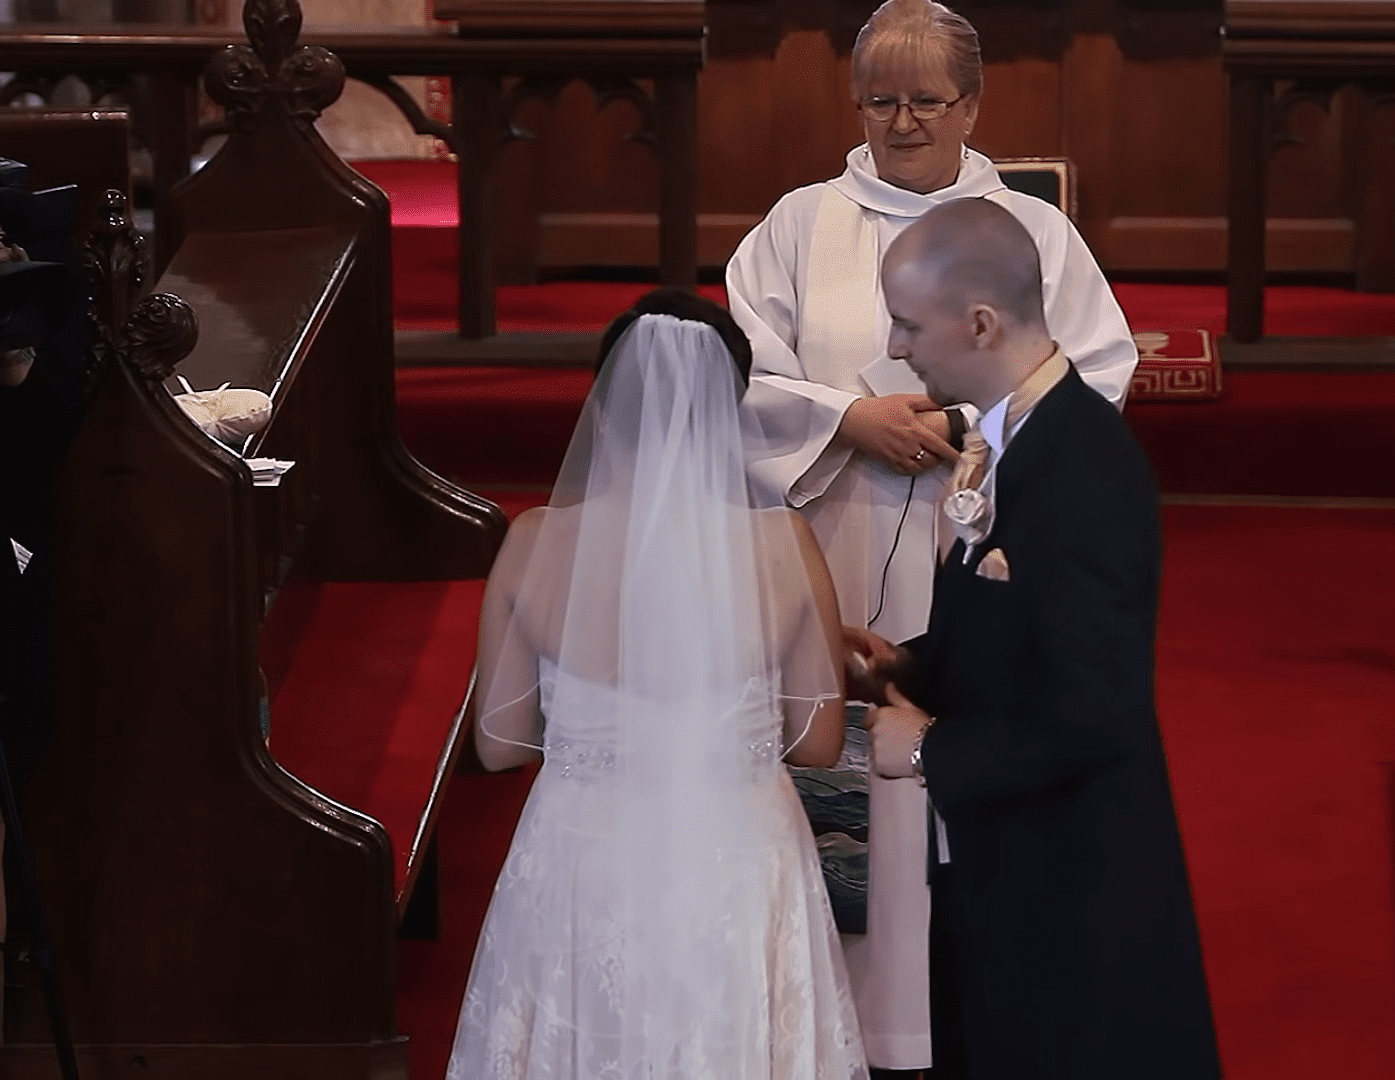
{"x": 1063, "y": 943}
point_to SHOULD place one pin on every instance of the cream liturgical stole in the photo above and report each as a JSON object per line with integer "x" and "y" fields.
{"x": 838, "y": 312}
{"x": 842, "y": 344}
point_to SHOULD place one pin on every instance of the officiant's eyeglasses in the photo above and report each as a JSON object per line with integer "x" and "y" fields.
{"x": 882, "y": 109}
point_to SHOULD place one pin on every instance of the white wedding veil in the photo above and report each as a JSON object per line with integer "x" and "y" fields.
{"x": 660, "y": 629}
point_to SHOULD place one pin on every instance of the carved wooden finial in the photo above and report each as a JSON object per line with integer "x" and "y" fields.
{"x": 247, "y": 80}
{"x": 150, "y": 335}
{"x": 117, "y": 260}
{"x": 161, "y": 331}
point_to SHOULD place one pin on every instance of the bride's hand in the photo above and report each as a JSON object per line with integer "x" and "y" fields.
{"x": 868, "y": 661}
{"x": 874, "y": 649}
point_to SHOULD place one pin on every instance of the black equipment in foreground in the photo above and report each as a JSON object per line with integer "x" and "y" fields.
{"x": 40, "y": 951}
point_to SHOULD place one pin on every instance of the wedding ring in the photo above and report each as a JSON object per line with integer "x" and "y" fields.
{"x": 919, "y": 455}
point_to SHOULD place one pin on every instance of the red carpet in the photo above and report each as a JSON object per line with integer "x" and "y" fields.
{"x": 468, "y": 423}
{"x": 365, "y": 707}
{"x": 1276, "y": 433}
{"x": 1288, "y": 309}
{"x": 1276, "y": 671}
{"x": 1268, "y": 434}
{"x": 1276, "y": 677}
{"x": 424, "y": 265}
{"x": 1276, "y": 684}
{"x": 425, "y": 283}
{"x": 1261, "y": 438}
{"x": 1276, "y": 690}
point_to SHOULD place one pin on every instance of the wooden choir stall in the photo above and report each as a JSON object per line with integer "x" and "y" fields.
{"x": 212, "y": 915}
{"x": 1281, "y": 54}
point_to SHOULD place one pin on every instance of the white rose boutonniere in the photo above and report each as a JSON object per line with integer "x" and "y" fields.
{"x": 971, "y": 512}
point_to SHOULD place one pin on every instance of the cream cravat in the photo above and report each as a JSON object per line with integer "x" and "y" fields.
{"x": 973, "y": 461}
{"x": 967, "y": 511}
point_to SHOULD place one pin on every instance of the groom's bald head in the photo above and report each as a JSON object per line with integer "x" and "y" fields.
{"x": 972, "y": 251}
{"x": 963, "y": 286}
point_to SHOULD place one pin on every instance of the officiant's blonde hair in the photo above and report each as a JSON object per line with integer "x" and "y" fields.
{"x": 926, "y": 32}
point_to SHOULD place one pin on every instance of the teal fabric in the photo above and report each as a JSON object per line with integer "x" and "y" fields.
{"x": 836, "y": 801}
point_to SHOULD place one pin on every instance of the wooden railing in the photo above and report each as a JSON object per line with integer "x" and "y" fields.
{"x": 1280, "y": 54}
{"x": 498, "y": 54}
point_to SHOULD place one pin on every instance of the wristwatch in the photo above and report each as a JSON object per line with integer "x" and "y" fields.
{"x": 917, "y": 767}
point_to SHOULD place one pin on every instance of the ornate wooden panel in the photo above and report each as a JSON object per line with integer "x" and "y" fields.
{"x": 1132, "y": 90}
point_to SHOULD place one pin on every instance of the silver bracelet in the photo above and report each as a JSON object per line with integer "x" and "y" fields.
{"x": 917, "y": 767}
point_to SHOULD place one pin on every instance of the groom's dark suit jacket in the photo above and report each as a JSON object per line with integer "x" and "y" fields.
{"x": 1065, "y": 903}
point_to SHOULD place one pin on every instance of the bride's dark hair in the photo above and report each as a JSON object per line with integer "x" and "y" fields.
{"x": 682, "y": 304}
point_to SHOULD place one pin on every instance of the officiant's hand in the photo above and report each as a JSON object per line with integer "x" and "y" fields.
{"x": 905, "y": 432}
{"x": 893, "y": 731}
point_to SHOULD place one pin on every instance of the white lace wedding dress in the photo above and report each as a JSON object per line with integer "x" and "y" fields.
{"x": 602, "y": 959}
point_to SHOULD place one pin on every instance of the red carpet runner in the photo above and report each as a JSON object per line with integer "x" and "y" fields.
{"x": 371, "y": 650}
{"x": 424, "y": 279}
{"x": 1276, "y": 691}
{"x": 1276, "y": 670}
{"x": 1269, "y": 434}
{"x": 1276, "y": 678}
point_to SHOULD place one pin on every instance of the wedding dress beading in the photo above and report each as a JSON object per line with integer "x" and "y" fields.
{"x": 549, "y": 989}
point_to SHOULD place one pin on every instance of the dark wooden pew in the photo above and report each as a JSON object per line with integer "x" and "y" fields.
{"x": 213, "y": 915}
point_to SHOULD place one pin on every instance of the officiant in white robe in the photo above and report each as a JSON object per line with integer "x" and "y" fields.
{"x": 857, "y": 459}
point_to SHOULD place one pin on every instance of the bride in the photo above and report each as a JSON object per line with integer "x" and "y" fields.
{"x": 665, "y": 645}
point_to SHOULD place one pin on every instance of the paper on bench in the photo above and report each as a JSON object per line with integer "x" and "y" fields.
{"x": 228, "y": 413}
{"x": 22, "y": 555}
{"x": 267, "y": 472}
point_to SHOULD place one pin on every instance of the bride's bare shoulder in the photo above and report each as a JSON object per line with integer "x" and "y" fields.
{"x": 529, "y": 521}
{"x": 523, "y": 532}
{"x": 518, "y": 545}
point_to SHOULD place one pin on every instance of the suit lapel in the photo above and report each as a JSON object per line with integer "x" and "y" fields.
{"x": 1029, "y": 451}
{"x": 948, "y": 579}
{"x": 1031, "y": 447}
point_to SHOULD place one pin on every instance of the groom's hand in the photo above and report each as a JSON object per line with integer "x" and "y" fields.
{"x": 893, "y": 730}
{"x": 865, "y": 651}
{"x": 870, "y": 661}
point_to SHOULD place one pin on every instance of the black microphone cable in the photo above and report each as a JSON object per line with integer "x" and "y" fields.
{"x": 895, "y": 542}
